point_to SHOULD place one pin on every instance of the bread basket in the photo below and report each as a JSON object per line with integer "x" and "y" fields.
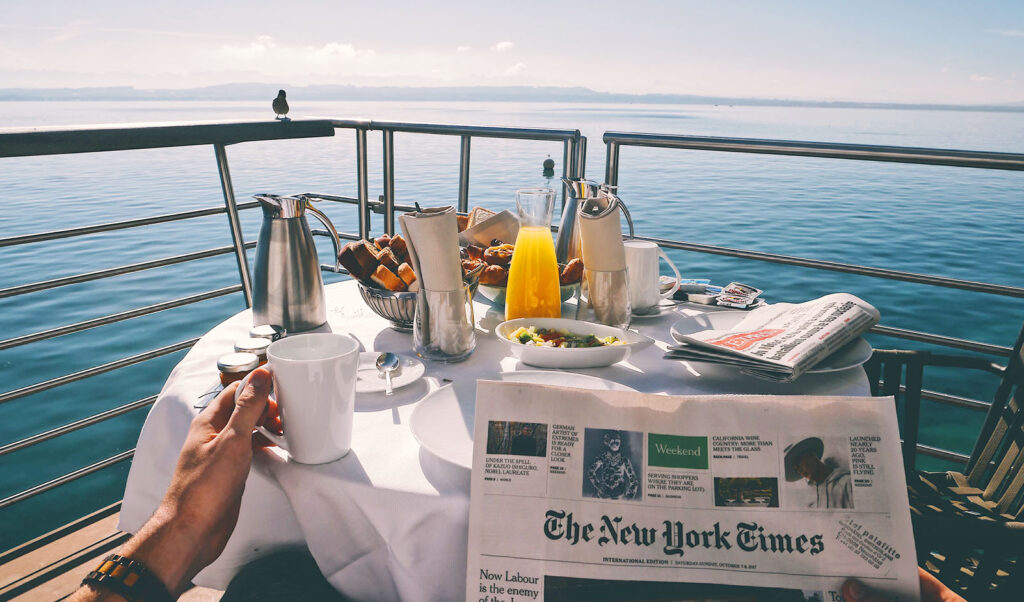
{"x": 399, "y": 308}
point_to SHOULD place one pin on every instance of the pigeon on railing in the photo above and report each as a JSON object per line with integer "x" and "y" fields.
{"x": 281, "y": 106}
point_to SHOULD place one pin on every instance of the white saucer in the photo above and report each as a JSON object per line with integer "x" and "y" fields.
{"x": 443, "y": 422}
{"x": 851, "y": 355}
{"x": 370, "y": 380}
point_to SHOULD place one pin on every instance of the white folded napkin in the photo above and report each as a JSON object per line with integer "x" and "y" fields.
{"x": 433, "y": 240}
{"x": 601, "y": 241}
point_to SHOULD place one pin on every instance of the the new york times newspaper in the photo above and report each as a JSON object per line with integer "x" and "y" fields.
{"x": 784, "y": 340}
{"x": 584, "y": 495}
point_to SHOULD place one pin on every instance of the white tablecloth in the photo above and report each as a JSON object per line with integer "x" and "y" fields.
{"x": 389, "y": 520}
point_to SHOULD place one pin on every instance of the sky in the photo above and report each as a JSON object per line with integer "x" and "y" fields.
{"x": 894, "y": 51}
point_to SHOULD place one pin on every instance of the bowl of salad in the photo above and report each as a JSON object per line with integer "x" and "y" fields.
{"x": 561, "y": 343}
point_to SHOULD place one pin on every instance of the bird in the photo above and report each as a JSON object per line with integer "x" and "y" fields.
{"x": 281, "y": 106}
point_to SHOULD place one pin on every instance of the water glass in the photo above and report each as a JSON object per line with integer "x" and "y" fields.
{"x": 607, "y": 298}
{"x": 443, "y": 326}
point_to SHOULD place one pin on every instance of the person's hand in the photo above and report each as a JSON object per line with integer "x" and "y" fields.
{"x": 932, "y": 590}
{"x": 199, "y": 511}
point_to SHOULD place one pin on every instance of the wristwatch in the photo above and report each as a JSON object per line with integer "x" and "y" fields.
{"x": 128, "y": 578}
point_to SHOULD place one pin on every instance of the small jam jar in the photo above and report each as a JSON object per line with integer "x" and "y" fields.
{"x": 236, "y": 366}
{"x": 266, "y": 331}
{"x": 257, "y": 347}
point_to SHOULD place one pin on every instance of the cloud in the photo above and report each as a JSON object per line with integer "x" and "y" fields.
{"x": 516, "y": 69}
{"x": 1009, "y": 33}
{"x": 982, "y": 78}
{"x": 503, "y": 46}
{"x": 267, "y": 55}
{"x": 463, "y": 48}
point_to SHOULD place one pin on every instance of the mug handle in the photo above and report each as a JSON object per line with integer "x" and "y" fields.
{"x": 679, "y": 278}
{"x": 277, "y": 439}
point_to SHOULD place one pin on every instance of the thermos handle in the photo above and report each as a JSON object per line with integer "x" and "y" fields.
{"x": 330, "y": 228}
{"x": 629, "y": 218}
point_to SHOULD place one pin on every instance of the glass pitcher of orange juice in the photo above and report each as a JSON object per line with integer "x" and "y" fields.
{"x": 533, "y": 276}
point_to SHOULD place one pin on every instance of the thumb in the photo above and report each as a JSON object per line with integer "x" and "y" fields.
{"x": 855, "y": 591}
{"x": 251, "y": 403}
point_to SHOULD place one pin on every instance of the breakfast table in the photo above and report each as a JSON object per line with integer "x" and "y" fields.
{"x": 390, "y": 519}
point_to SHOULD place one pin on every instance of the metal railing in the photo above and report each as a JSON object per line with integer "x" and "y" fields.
{"x": 50, "y": 141}
{"x": 614, "y": 142}
{"x": 53, "y": 141}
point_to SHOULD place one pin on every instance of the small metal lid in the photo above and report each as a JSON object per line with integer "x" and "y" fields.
{"x": 266, "y": 331}
{"x": 253, "y": 345}
{"x": 233, "y": 363}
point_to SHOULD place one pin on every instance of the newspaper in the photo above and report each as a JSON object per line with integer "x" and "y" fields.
{"x": 782, "y": 341}
{"x": 611, "y": 495}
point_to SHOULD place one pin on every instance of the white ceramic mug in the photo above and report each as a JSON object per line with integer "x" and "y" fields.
{"x": 642, "y": 265}
{"x": 315, "y": 387}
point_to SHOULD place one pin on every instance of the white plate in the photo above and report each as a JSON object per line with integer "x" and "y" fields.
{"x": 851, "y": 355}
{"x": 443, "y": 423}
{"x": 556, "y": 357}
{"x": 370, "y": 380}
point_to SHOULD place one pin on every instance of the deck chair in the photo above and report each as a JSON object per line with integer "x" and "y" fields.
{"x": 968, "y": 526}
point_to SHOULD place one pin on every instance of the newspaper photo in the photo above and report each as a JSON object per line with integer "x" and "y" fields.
{"x": 612, "y": 495}
{"x": 784, "y": 340}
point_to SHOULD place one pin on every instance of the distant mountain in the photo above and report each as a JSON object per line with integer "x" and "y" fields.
{"x": 263, "y": 91}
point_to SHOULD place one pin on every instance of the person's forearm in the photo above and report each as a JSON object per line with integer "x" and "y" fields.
{"x": 165, "y": 546}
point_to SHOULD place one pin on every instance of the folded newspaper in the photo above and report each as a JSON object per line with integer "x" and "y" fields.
{"x": 612, "y": 495}
{"x": 782, "y": 341}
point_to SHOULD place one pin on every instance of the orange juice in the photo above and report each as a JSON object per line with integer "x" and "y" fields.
{"x": 533, "y": 277}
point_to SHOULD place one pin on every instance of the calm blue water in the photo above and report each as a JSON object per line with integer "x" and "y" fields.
{"x": 953, "y": 222}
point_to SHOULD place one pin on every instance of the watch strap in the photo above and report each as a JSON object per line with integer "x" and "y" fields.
{"x": 128, "y": 578}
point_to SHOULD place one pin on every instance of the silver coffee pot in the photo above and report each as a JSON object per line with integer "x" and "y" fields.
{"x": 288, "y": 290}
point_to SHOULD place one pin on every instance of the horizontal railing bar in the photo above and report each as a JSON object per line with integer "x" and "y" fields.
{"x": 131, "y": 223}
{"x": 341, "y": 235}
{"x": 462, "y": 130}
{"x": 76, "y": 425}
{"x": 942, "y": 454}
{"x": 118, "y": 317}
{"x": 863, "y": 152}
{"x": 954, "y": 400}
{"x": 76, "y": 376}
{"x": 326, "y": 267}
{"x": 937, "y": 339}
{"x": 970, "y": 285}
{"x": 118, "y": 271}
{"x": 376, "y": 206}
{"x": 71, "y": 476}
{"x": 26, "y": 142}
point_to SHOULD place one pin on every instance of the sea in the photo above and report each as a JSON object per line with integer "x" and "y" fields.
{"x": 962, "y": 223}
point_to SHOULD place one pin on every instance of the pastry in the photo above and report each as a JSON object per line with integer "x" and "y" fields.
{"x": 479, "y": 214}
{"x": 474, "y": 252}
{"x": 499, "y": 255}
{"x": 468, "y": 265}
{"x": 399, "y": 248}
{"x": 385, "y": 278}
{"x": 382, "y": 242}
{"x": 463, "y": 222}
{"x": 572, "y": 272}
{"x": 387, "y": 259}
{"x": 359, "y": 258}
{"x": 494, "y": 275}
{"x": 406, "y": 273}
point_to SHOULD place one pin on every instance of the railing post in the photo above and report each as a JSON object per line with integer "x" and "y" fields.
{"x": 362, "y": 184}
{"x": 581, "y": 159}
{"x": 389, "y": 181}
{"x": 611, "y": 165}
{"x": 233, "y": 221}
{"x": 464, "y": 175}
{"x": 568, "y": 167}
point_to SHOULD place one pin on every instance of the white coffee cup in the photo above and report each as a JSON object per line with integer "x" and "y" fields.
{"x": 315, "y": 387}
{"x": 642, "y": 266}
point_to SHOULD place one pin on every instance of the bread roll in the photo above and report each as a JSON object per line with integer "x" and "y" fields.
{"x": 387, "y": 279}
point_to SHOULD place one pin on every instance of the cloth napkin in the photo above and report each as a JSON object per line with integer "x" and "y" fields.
{"x": 601, "y": 240}
{"x": 433, "y": 240}
{"x": 442, "y": 319}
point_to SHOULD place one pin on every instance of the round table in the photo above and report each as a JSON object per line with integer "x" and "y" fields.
{"x": 390, "y": 519}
